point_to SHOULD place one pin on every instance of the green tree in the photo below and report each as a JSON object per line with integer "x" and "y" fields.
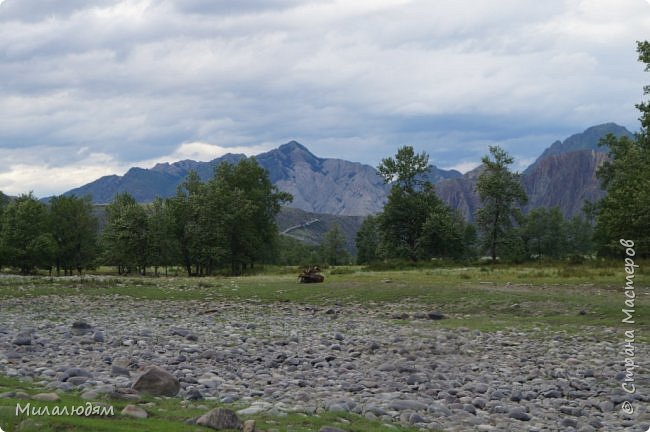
{"x": 334, "y": 250}
{"x": 580, "y": 234}
{"x": 74, "y": 228}
{"x": 163, "y": 247}
{"x": 406, "y": 170}
{"x": 26, "y": 239}
{"x": 367, "y": 241}
{"x": 188, "y": 218}
{"x": 4, "y": 201}
{"x": 623, "y": 212}
{"x": 247, "y": 203}
{"x": 546, "y": 233}
{"x": 445, "y": 234}
{"x": 125, "y": 235}
{"x": 415, "y": 223}
{"x": 501, "y": 195}
{"x": 293, "y": 252}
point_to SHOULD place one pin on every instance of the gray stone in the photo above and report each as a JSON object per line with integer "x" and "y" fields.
{"x": 193, "y": 394}
{"x": 567, "y": 422}
{"x": 22, "y": 340}
{"x": 158, "y": 382}
{"x": 518, "y": 414}
{"x": 49, "y": 397}
{"x": 120, "y": 371}
{"x": 134, "y": 411}
{"x": 572, "y": 411}
{"x": 416, "y": 418}
{"x": 75, "y": 372}
{"x": 98, "y": 336}
{"x": 407, "y": 404}
{"x": 220, "y": 418}
{"x": 435, "y": 315}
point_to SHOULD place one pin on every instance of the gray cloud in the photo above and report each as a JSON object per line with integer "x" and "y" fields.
{"x": 132, "y": 81}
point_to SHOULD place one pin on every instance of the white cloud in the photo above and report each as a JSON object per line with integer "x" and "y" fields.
{"x": 134, "y": 80}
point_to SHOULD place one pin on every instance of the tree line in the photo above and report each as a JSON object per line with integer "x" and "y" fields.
{"x": 417, "y": 225}
{"x": 226, "y": 222}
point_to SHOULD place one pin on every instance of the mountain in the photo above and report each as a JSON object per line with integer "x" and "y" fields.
{"x": 587, "y": 140}
{"x": 564, "y": 175}
{"x": 319, "y": 185}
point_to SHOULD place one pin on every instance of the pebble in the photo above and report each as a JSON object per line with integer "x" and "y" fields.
{"x": 134, "y": 411}
{"x": 283, "y": 358}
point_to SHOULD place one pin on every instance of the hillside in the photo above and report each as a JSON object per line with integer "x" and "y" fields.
{"x": 319, "y": 185}
{"x": 564, "y": 175}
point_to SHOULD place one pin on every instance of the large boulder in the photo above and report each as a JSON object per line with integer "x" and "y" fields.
{"x": 158, "y": 382}
{"x": 220, "y": 419}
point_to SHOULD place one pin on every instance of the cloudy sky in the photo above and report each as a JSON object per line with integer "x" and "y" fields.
{"x": 90, "y": 88}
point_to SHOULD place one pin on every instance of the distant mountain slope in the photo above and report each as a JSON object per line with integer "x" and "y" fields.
{"x": 312, "y": 227}
{"x": 564, "y": 175}
{"x": 547, "y": 183}
{"x": 333, "y": 186}
{"x": 320, "y": 185}
{"x": 587, "y": 140}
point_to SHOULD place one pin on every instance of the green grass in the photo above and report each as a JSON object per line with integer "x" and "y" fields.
{"x": 486, "y": 298}
{"x": 165, "y": 415}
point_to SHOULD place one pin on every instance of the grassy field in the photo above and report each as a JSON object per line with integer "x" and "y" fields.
{"x": 571, "y": 299}
{"x": 486, "y": 298}
{"x": 165, "y": 415}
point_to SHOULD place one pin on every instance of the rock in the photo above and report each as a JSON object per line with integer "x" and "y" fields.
{"x": 330, "y": 429}
{"x": 158, "y": 382}
{"x": 251, "y": 410}
{"x": 249, "y": 426}
{"x": 134, "y": 411}
{"x": 77, "y": 380}
{"x": 572, "y": 411}
{"x": 435, "y": 315}
{"x": 75, "y": 372}
{"x": 416, "y": 418}
{"x": 220, "y": 418}
{"x": 518, "y": 414}
{"x": 120, "y": 371}
{"x": 567, "y": 422}
{"x": 90, "y": 395}
{"x": 50, "y": 397}
{"x": 81, "y": 327}
{"x": 98, "y": 336}
{"x": 193, "y": 394}
{"x": 22, "y": 340}
{"x": 407, "y": 404}
{"x": 338, "y": 408}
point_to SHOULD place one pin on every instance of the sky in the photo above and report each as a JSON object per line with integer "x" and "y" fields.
{"x": 92, "y": 87}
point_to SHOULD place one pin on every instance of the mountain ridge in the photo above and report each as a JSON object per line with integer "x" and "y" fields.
{"x": 563, "y": 175}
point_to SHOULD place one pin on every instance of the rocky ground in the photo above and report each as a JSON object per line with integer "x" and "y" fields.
{"x": 393, "y": 363}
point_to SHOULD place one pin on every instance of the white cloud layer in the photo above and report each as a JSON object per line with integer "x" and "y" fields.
{"x": 136, "y": 81}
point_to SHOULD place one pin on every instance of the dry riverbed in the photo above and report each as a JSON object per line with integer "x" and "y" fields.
{"x": 392, "y": 362}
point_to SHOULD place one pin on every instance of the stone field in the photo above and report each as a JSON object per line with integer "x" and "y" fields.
{"x": 394, "y": 363}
